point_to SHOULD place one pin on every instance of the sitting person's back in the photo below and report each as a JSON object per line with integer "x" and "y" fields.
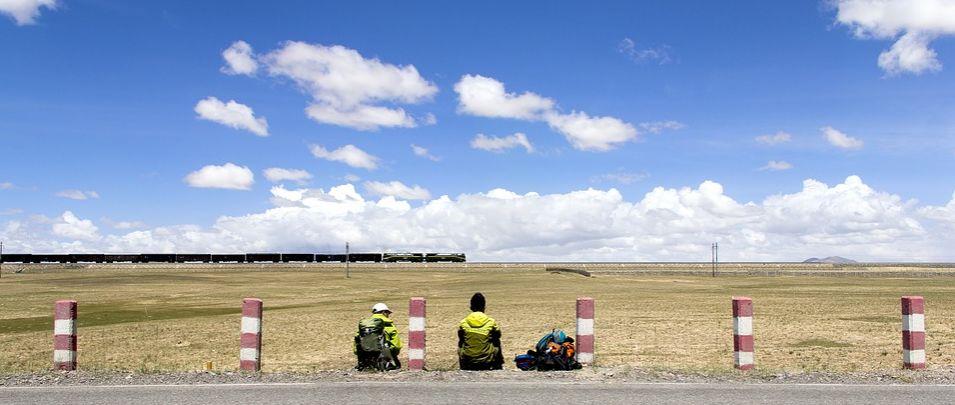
{"x": 377, "y": 343}
{"x": 479, "y": 339}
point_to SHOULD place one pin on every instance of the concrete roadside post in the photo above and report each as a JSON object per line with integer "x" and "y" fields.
{"x": 743, "y": 333}
{"x": 913, "y": 332}
{"x": 585, "y": 330}
{"x": 64, "y": 335}
{"x": 250, "y": 352}
{"x": 416, "y": 333}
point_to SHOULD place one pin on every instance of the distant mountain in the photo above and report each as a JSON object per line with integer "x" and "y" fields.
{"x": 830, "y": 259}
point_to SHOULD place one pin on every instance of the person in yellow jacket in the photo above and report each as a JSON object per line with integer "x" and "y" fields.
{"x": 479, "y": 339}
{"x": 377, "y": 343}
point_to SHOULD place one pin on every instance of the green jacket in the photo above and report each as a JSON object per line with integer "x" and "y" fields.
{"x": 479, "y": 338}
{"x": 391, "y": 334}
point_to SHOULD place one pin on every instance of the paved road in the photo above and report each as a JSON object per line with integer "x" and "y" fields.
{"x": 484, "y": 393}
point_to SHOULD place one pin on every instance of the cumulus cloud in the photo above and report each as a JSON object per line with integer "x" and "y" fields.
{"x": 500, "y": 144}
{"x": 486, "y": 97}
{"x": 348, "y": 154}
{"x": 774, "y": 139}
{"x": 840, "y": 139}
{"x": 591, "y": 133}
{"x": 278, "y": 174}
{"x": 239, "y": 59}
{"x": 228, "y": 176}
{"x": 659, "y": 54}
{"x": 421, "y": 151}
{"x": 69, "y": 226}
{"x": 78, "y": 195}
{"x": 347, "y": 88}
{"x": 25, "y": 12}
{"x": 397, "y": 189}
{"x": 124, "y": 225}
{"x": 777, "y": 165}
{"x": 232, "y": 114}
{"x": 848, "y": 219}
{"x": 913, "y": 24}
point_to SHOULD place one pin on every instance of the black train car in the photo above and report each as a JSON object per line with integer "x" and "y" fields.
{"x": 87, "y": 258}
{"x": 16, "y": 258}
{"x": 159, "y": 257}
{"x": 329, "y": 258}
{"x": 123, "y": 258}
{"x": 445, "y": 257}
{"x": 263, "y": 257}
{"x": 402, "y": 257}
{"x": 364, "y": 257}
{"x": 219, "y": 258}
{"x": 59, "y": 258}
{"x": 189, "y": 257}
{"x": 298, "y": 257}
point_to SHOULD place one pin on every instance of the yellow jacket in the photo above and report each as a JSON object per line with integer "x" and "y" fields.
{"x": 479, "y": 338}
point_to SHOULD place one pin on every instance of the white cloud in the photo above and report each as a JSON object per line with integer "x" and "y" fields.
{"x": 363, "y": 117}
{"x": 25, "y": 12}
{"x": 69, "y": 226}
{"x": 348, "y": 154}
{"x": 228, "y": 176}
{"x": 916, "y": 23}
{"x": 659, "y": 54}
{"x": 346, "y": 87}
{"x": 232, "y": 114}
{"x": 588, "y": 133}
{"x": 239, "y": 59}
{"x": 774, "y": 139}
{"x": 128, "y": 225}
{"x": 621, "y": 177}
{"x": 486, "y": 97}
{"x": 77, "y": 194}
{"x": 11, "y": 211}
{"x": 278, "y": 174}
{"x": 841, "y": 140}
{"x": 397, "y": 189}
{"x": 6, "y": 186}
{"x": 777, "y": 165}
{"x": 421, "y": 151}
{"x": 500, "y": 144}
{"x": 666, "y": 224}
{"x": 657, "y": 127}
{"x": 352, "y": 177}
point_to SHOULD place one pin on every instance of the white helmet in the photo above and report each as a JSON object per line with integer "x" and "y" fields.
{"x": 380, "y": 307}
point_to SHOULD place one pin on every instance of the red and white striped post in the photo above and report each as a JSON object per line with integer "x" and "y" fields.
{"x": 64, "y": 335}
{"x": 416, "y": 333}
{"x": 585, "y": 330}
{"x": 913, "y": 332}
{"x": 743, "y": 333}
{"x": 250, "y": 352}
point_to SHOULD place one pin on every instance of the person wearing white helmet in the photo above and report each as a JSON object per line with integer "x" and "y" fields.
{"x": 377, "y": 343}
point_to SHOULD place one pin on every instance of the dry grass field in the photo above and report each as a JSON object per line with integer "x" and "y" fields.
{"x": 176, "y": 320}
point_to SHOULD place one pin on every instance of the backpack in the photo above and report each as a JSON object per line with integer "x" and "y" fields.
{"x": 554, "y": 351}
{"x": 374, "y": 351}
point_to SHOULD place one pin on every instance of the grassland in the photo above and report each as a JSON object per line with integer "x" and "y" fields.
{"x": 176, "y": 320}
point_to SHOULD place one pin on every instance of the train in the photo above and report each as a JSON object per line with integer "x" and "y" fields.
{"x": 234, "y": 258}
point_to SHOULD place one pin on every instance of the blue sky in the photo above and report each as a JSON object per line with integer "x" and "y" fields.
{"x": 100, "y": 96}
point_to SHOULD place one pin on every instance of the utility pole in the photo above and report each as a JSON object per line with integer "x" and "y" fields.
{"x": 347, "y": 260}
{"x": 715, "y": 255}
